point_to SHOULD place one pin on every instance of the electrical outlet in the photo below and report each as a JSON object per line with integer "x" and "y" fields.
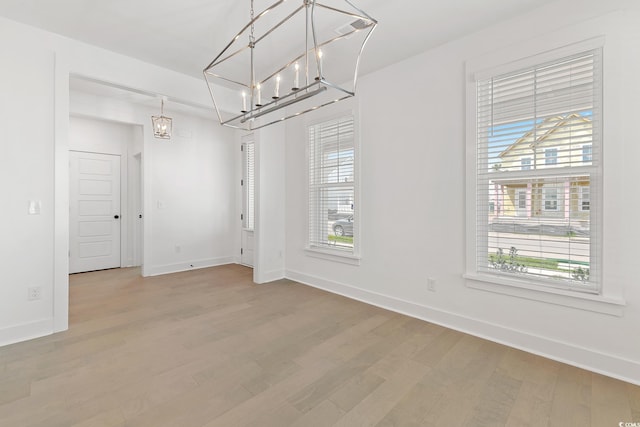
{"x": 178, "y": 249}
{"x": 431, "y": 284}
{"x": 34, "y": 293}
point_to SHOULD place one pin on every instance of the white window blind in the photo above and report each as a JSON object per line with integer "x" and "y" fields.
{"x": 332, "y": 185}
{"x": 248, "y": 186}
{"x": 536, "y": 181}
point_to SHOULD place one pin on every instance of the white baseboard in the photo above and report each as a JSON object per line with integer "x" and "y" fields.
{"x": 592, "y": 360}
{"x": 26, "y": 331}
{"x": 158, "y": 270}
{"x": 270, "y": 276}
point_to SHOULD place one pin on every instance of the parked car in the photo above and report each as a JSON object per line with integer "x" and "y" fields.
{"x": 343, "y": 227}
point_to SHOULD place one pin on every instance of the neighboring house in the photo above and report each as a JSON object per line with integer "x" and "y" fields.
{"x": 525, "y": 189}
{"x": 340, "y": 170}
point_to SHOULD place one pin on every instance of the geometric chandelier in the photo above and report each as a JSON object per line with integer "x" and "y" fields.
{"x": 161, "y": 124}
{"x": 291, "y": 58}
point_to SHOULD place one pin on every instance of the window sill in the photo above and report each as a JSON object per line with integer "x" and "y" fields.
{"x": 336, "y": 256}
{"x": 577, "y": 300}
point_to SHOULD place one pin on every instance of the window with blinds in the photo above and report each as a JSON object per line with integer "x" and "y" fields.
{"x": 332, "y": 185}
{"x": 538, "y": 148}
{"x": 248, "y": 186}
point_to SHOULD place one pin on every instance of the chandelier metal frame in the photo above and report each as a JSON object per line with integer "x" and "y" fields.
{"x": 310, "y": 81}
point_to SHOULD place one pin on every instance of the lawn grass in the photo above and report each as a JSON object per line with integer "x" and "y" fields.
{"x": 341, "y": 239}
{"x": 542, "y": 263}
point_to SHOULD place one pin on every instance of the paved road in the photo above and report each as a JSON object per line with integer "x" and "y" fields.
{"x": 541, "y": 246}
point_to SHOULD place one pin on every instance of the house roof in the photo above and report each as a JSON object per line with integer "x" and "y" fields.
{"x": 544, "y": 130}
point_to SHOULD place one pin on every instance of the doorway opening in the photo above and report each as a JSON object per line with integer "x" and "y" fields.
{"x": 248, "y": 182}
{"x": 105, "y": 195}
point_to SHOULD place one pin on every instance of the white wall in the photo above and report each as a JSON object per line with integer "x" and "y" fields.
{"x": 190, "y": 185}
{"x": 99, "y": 136}
{"x": 35, "y": 109}
{"x": 412, "y": 122}
{"x": 192, "y": 197}
{"x": 26, "y": 173}
{"x": 270, "y": 227}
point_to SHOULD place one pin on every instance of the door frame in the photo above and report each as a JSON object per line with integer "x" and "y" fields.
{"x": 136, "y": 211}
{"x": 247, "y": 234}
{"x": 521, "y": 212}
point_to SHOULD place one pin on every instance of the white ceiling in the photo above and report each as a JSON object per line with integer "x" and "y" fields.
{"x": 185, "y": 35}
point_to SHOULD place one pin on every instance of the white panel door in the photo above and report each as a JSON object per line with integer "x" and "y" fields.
{"x": 94, "y": 211}
{"x": 521, "y": 202}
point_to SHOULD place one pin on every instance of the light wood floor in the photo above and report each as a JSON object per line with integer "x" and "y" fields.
{"x": 210, "y": 348}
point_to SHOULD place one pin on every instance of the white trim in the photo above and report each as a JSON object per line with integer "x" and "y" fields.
{"x": 333, "y": 255}
{"x": 61, "y": 195}
{"x": 158, "y": 270}
{"x": 561, "y": 351}
{"x": 567, "y": 298}
{"x": 509, "y": 60}
{"x": 27, "y": 331}
{"x": 505, "y": 61}
{"x": 352, "y": 257}
{"x": 269, "y": 276}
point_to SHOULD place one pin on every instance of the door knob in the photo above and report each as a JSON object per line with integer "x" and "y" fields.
{"x": 117, "y": 216}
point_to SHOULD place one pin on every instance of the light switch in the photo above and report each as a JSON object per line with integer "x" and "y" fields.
{"x": 160, "y": 204}
{"x": 35, "y": 207}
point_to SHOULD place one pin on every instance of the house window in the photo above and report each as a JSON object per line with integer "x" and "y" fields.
{"x": 550, "y": 198}
{"x": 551, "y": 156}
{"x": 332, "y": 186}
{"x": 530, "y": 117}
{"x": 586, "y": 153}
{"x": 584, "y": 199}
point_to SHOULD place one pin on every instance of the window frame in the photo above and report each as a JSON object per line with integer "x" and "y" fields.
{"x": 588, "y": 154}
{"x": 546, "y": 198}
{"x": 352, "y": 257}
{"x": 550, "y": 156}
{"x": 582, "y": 199}
{"x": 607, "y": 300}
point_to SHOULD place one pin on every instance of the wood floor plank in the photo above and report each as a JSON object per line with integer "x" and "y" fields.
{"x": 373, "y": 408}
{"x": 609, "y": 401}
{"x": 634, "y": 401}
{"x": 326, "y": 413}
{"x": 572, "y": 398}
{"x": 210, "y": 348}
{"x": 462, "y": 378}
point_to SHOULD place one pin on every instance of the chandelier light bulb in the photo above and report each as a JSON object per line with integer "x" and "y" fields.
{"x": 277, "y": 91}
{"x": 259, "y": 95}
